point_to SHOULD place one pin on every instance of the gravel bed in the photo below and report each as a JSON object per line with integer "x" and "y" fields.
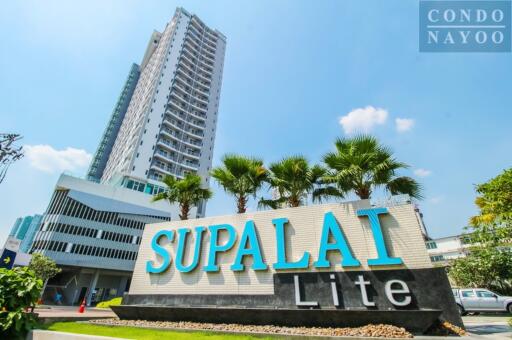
{"x": 380, "y": 330}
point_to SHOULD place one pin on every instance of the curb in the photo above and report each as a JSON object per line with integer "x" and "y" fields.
{"x": 39, "y": 334}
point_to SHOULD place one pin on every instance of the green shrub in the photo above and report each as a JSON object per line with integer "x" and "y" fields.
{"x": 114, "y": 302}
{"x": 19, "y": 289}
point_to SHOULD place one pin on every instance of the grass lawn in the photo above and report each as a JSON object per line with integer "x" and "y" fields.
{"x": 142, "y": 333}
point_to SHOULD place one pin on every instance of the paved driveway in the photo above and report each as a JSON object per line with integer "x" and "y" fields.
{"x": 489, "y": 326}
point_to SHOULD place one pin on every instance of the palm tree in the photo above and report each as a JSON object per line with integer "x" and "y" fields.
{"x": 292, "y": 178}
{"x": 240, "y": 176}
{"x": 361, "y": 164}
{"x": 186, "y": 192}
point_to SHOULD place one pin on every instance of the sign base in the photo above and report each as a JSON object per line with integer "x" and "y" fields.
{"x": 416, "y": 321}
{"x": 321, "y": 299}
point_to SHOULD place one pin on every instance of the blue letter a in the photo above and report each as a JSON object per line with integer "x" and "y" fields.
{"x": 250, "y": 235}
{"x": 331, "y": 227}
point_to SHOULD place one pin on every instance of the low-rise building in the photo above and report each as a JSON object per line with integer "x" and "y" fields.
{"x": 93, "y": 231}
{"x": 444, "y": 249}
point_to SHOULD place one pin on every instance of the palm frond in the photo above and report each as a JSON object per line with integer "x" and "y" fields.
{"x": 271, "y": 203}
{"x": 361, "y": 164}
{"x": 405, "y": 185}
{"x": 326, "y": 192}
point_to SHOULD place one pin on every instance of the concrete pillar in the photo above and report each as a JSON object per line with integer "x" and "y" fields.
{"x": 92, "y": 286}
{"x": 122, "y": 285}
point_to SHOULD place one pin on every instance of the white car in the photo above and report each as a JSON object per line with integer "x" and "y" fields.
{"x": 481, "y": 300}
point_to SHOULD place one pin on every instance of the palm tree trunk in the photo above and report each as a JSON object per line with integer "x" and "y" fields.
{"x": 294, "y": 202}
{"x": 363, "y": 193}
{"x": 241, "y": 202}
{"x": 185, "y": 208}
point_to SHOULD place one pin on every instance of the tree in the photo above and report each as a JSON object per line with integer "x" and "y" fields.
{"x": 241, "y": 177}
{"x": 8, "y": 152}
{"x": 292, "y": 179}
{"x": 361, "y": 164}
{"x": 495, "y": 200}
{"x": 43, "y": 267}
{"x": 19, "y": 289}
{"x": 484, "y": 267}
{"x": 186, "y": 192}
{"x": 489, "y": 263}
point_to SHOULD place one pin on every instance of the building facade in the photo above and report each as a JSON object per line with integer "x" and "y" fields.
{"x": 93, "y": 231}
{"x": 99, "y": 162}
{"x": 24, "y": 229}
{"x": 444, "y": 249}
{"x": 15, "y": 226}
{"x": 28, "y": 238}
{"x": 170, "y": 123}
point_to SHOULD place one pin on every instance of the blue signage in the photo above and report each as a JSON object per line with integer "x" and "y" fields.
{"x": 7, "y": 259}
{"x": 250, "y": 246}
{"x": 464, "y": 26}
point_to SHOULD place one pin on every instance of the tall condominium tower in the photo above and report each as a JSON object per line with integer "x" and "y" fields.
{"x": 170, "y": 122}
{"x": 99, "y": 162}
{"x": 163, "y": 123}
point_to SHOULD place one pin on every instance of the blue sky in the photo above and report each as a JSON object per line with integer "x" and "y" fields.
{"x": 293, "y": 69}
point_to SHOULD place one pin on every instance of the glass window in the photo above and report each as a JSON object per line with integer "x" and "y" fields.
{"x": 437, "y": 258}
{"x": 485, "y": 294}
{"x": 75, "y": 210}
{"x": 431, "y": 245}
{"x": 468, "y": 293}
{"x": 465, "y": 240}
{"x": 149, "y": 189}
{"x": 83, "y": 209}
{"x": 130, "y": 184}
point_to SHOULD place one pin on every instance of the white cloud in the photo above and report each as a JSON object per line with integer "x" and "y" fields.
{"x": 422, "y": 172}
{"x": 363, "y": 119}
{"x": 404, "y": 124}
{"x": 48, "y": 159}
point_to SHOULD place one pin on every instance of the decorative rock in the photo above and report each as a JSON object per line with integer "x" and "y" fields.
{"x": 371, "y": 330}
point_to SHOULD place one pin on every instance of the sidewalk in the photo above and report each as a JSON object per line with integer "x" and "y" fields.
{"x": 70, "y": 313}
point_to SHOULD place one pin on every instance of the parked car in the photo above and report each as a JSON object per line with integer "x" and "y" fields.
{"x": 481, "y": 300}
